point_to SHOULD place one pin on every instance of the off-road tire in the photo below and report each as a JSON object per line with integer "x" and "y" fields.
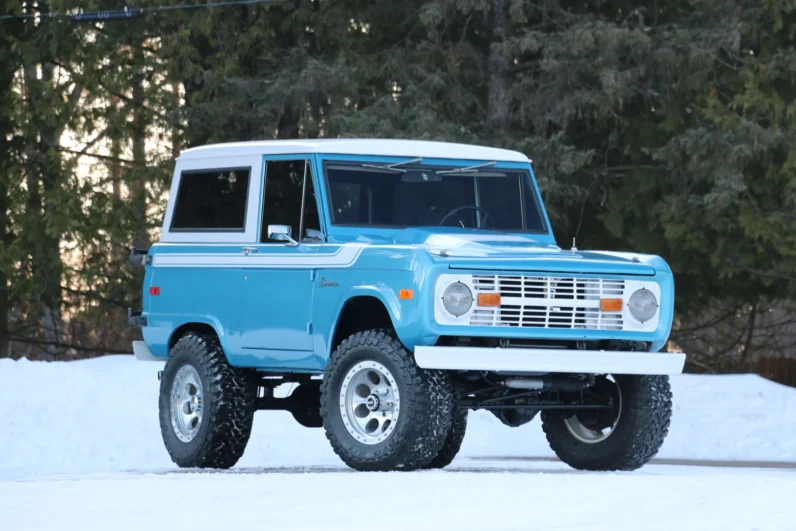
{"x": 426, "y": 406}
{"x": 642, "y": 426}
{"x": 453, "y": 442}
{"x": 229, "y": 405}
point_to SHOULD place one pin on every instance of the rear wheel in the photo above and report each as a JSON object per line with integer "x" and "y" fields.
{"x": 623, "y": 437}
{"x": 206, "y": 406}
{"x": 453, "y": 442}
{"x": 380, "y": 410}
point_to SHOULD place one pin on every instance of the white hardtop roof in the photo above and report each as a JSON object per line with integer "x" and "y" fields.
{"x": 394, "y": 148}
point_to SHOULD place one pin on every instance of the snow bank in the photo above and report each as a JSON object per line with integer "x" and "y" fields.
{"x": 101, "y": 415}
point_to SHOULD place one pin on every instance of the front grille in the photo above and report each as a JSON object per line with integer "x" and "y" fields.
{"x": 548, "y": 302}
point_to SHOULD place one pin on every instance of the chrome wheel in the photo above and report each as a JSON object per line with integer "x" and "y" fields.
{"x": 186, "y": 403}
{"x": 592, "y": 427}
{"x": 369, "y": 402}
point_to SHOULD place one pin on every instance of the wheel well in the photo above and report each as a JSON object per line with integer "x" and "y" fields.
{"x": 361, "y": 313}
{"x": 190, "y": 327}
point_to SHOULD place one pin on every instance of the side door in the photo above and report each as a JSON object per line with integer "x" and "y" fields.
{"x": 279, "y": 272}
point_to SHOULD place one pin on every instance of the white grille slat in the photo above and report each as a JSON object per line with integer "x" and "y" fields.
{"x": 548, "y": 302}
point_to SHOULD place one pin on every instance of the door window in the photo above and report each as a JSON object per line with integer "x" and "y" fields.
{"x": 290, "y": 200}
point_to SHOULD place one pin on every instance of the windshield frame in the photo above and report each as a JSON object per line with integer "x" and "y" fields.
{"x": 524, "y": 169}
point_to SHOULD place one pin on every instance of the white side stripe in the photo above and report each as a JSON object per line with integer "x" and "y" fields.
{"x": 345, "y": 256}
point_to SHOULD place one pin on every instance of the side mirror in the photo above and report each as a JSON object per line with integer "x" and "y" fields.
{"x": 281, "y": 233}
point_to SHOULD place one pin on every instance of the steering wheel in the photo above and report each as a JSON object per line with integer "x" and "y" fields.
{"x": 456, "y": 211}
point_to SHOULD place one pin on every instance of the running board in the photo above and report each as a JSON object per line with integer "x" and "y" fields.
{"x": 548, "y": 360}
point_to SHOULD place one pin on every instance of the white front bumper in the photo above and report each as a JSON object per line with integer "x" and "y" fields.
{"x": 548, "y": 360}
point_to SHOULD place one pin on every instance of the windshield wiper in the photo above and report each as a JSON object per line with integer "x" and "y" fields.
{"x": 468, "y": 169}
{"x": 392, "y": 167}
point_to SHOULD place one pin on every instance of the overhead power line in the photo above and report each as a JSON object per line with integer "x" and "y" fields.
{"x": 130, "y": 13}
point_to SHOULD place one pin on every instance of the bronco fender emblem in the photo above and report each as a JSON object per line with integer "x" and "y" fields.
{"x": 326, "y": 284}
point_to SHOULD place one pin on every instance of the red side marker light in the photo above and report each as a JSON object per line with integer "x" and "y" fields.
{"x": 154, "y": 291}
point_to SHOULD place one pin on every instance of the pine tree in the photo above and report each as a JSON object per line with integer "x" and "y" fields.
{"x": 659, "y": 127}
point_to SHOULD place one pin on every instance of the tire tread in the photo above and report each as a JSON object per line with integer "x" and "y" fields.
{"x": 426, "y": 403}
{"x": 453, "y": 442}
{"x": 646, "y": 415}
{"x": 231, "y": 398}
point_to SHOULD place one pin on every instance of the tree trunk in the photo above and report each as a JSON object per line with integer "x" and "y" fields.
{"x": 176, "y": 137}
{"x": 50, "y": 258}
{"x": 288, "y": 126}
{"x": 139, "y": 188}
{"x": 6, "y": 128}
{"x": 118, "y": 253}
{"x": 5, "y": 240}
{"x": 498, "y": 68}
{"x": 44, "y": 177}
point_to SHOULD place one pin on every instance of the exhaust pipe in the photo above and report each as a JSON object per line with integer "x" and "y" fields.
{"x": 530, "y": 384}
{"x": 548, "y": 384}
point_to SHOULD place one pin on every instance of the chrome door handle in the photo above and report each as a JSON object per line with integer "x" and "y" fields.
{"x": 249, "y": 250}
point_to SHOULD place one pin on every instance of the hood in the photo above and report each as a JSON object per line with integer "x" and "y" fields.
{"x": 495, "y": 251}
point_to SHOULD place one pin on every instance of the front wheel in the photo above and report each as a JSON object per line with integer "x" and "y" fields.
{"x": 380, "y": 410}
{"x": 623, "y": 437}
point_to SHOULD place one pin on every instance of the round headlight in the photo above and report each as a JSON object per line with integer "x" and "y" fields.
{"x": 457, "y": 299}
{"x": 643, "y": 305}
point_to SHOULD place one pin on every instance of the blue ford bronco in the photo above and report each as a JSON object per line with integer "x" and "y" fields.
{"x": 396, "y": 285}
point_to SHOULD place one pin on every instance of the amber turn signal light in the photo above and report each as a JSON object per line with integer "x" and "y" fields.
{"x": 406, "y": 294}
{"x": 611, "y": 305}
{"x": 489, "y": 299}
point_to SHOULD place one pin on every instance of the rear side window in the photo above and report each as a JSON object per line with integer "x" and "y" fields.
{"x": 211, "y": 200}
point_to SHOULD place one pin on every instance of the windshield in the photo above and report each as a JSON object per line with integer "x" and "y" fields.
{"x": 492, "y": 199}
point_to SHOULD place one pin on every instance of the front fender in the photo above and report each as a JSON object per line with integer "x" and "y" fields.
{"x": 383, "y": 286}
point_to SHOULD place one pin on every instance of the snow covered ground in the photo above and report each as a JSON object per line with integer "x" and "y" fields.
{"x": 533, "y": 497}
{"x": 80, "y": 448}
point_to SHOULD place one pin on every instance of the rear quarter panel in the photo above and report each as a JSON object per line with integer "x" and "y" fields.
{"x": 207, "y": 295}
